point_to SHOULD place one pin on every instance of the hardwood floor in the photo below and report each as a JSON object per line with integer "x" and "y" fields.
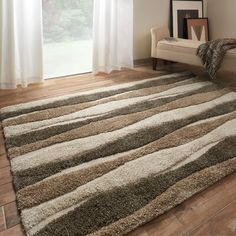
{"x": 209, "y": 213}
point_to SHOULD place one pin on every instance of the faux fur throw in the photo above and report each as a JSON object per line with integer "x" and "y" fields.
{"x": 212, "y": 54}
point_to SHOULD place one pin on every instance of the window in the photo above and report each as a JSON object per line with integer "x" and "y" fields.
{"x": 67, "y": 37}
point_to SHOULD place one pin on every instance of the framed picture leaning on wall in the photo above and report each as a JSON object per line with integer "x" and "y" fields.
{"x": 198, "y": 29}
{"x": 181, "y": 10}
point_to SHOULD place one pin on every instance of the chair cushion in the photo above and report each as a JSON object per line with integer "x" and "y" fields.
{"x": 186, "y": 46}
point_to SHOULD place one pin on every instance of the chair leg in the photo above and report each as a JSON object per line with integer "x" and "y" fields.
{"x": 154, "y": 63}
{"x": 165, "y": 62}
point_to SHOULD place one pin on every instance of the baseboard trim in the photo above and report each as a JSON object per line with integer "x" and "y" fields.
{"x": 144, "y": 61}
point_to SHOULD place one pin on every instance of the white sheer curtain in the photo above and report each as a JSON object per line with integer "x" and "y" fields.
{"x": 20, "y": 43}
{"x": 112, "y": 35}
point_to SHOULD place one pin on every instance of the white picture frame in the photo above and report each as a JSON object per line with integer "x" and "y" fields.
{"x": 180, "y": 9}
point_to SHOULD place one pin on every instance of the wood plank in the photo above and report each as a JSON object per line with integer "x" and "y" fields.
{"x": 5, "y": 175}
{"x": 224, "y": 223}
{"x": 2, "y": 220}
{"x": 2, "y": 149}
{"x": 198, "y": 209}
{"x": 7, "y": 194}
{"x": 2, "y": 144}
{"x": 14, "y": 231}
{"x": 159, "y": 226}
{"x": 4, "y": 161}
{"x": 11, "y": 215}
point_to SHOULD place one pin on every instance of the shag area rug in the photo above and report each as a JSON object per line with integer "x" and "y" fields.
{"x": 106, "y": 161}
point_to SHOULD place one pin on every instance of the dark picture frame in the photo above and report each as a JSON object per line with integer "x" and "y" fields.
{"x": 198, "y": 29}
{"x": 180, "y": 11}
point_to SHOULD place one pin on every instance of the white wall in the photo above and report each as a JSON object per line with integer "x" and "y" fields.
{"x": 222, "y": 17}
{"x": 147, "y": 14}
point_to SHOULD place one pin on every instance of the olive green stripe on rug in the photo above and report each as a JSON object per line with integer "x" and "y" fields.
{"x": 106, "y": 161}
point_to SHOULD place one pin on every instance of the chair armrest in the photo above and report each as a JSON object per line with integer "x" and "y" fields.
{"x": 157, "y": 35}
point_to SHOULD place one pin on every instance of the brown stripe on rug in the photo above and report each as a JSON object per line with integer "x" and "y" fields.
{"x": 106, "y": 161}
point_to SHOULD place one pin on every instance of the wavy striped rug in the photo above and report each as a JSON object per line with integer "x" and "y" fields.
{"x": 107, "y": 161}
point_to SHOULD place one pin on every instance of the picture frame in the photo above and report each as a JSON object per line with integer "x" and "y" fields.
{"x": 198, "y": 29}
{"x": 180, "y": 11}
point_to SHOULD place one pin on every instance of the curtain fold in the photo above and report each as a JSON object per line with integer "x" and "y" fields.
{"x": 21, "y": 43}
{"x": 112, "y": 35}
